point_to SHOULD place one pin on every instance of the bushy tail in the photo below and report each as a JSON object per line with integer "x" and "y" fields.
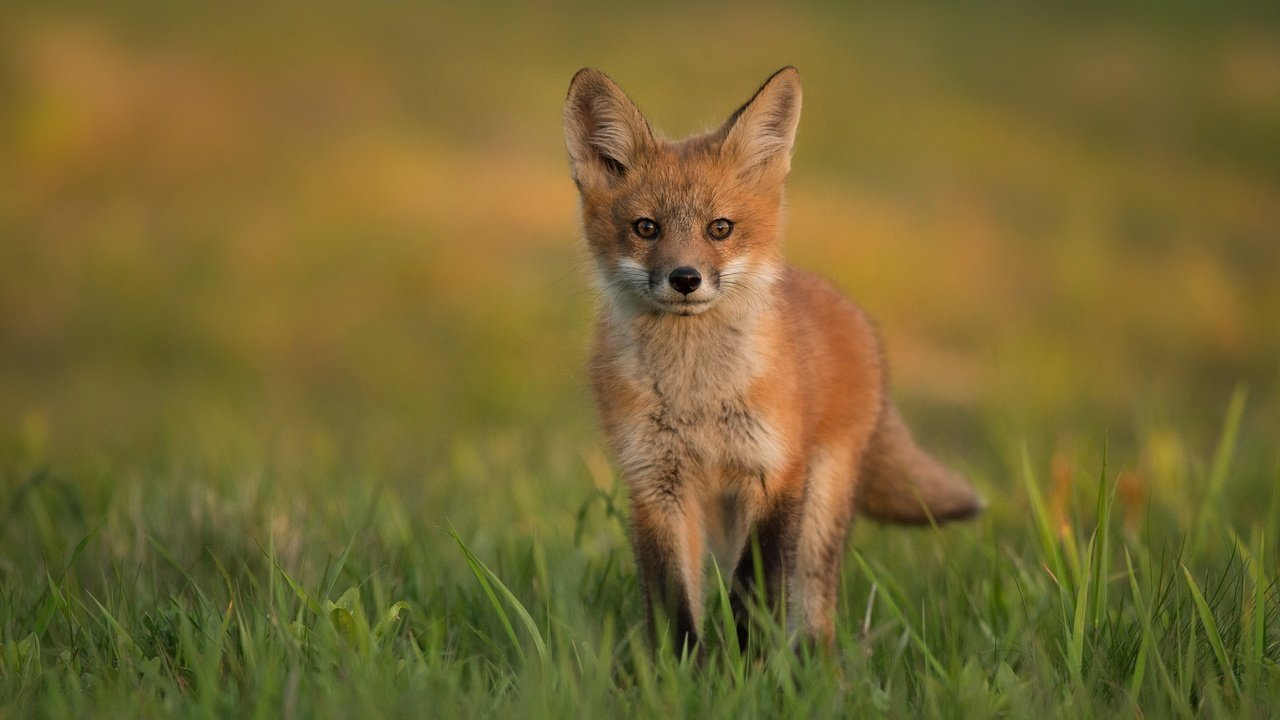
{"x": 900, "y": 483}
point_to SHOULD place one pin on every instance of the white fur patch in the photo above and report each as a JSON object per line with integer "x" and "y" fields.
{"x": 623, "y": 285}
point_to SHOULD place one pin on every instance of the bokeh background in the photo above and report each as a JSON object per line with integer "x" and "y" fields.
{"x": 343, "y": 236}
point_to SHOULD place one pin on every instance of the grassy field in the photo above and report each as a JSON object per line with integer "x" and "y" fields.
{"x": 293, "y": 319}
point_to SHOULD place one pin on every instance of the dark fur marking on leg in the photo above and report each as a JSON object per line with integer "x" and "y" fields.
{"x": 774, "y": 536}
{"x": 664, "y": 588}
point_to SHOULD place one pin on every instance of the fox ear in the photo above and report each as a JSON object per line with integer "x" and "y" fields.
{"x": 761, "y": 134}
{"x": 604, "y": 130}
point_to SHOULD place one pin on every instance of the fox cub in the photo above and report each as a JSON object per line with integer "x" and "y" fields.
{"x": 745, "y": 400}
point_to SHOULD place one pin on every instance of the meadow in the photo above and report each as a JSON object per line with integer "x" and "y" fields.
{"x": 294, "y": 317}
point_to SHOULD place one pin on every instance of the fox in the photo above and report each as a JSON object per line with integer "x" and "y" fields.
{"x": 745, "y": 401}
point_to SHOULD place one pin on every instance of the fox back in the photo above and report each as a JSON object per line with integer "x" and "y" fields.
{"x": 745, "y": 401}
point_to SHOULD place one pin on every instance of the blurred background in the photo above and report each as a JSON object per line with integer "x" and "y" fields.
{"x": 346, "y": 234}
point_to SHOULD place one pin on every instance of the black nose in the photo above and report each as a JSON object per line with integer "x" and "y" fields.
{"x": 685, "y": 279}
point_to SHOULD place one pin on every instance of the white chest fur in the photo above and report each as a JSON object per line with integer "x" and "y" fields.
{"x": 694, "y": 375}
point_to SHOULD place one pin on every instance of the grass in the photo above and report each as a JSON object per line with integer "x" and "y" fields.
{"x": 293, "y": 420}
{"x": 323, "y": 591}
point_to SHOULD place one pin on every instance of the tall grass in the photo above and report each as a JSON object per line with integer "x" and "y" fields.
{"x": 528, "y": 607}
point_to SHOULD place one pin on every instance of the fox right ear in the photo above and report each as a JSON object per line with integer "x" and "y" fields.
{"x": 762, "y": 133}
{"x": 604, "y": 130}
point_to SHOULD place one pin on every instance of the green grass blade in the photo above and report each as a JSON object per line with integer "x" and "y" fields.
{"x": 1259, "y": 607}
{"x": 1078, "y": 627}
{"x": 1100, "y": 556}
{"x": 728, "y": 624}
{"x": 1221, "y": 466}
{"x": 341, "y": 563}
{"x": 1049, "y": 546}
{"x": 120, "y": 636}
{"x": 488, "y": 581}
{"x": 205, "y": 604}
{"x": 1149, "y": 640}
{"x": 1211, "y": 631}
{"x": 916, "y": 638}
{"x": 48, "y": 603}
{"x": 307, "y": 598}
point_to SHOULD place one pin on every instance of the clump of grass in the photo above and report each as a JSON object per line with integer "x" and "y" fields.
{"x": 530, "y": 608}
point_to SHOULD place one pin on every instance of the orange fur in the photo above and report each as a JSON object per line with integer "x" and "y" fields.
{"x": 746, "y": 407}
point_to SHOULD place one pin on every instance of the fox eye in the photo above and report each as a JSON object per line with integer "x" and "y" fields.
{"x": 720, "y": 228}
{"x": 645, "y": 228}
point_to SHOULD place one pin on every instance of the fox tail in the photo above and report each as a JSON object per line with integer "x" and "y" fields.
{"x": 900, "y": 483}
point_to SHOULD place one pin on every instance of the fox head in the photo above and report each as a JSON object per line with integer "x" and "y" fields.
{"x": 682, "y": 227}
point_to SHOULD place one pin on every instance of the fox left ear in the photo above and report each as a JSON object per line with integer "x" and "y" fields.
{"x": 762, "y": 133}
{"x": 605, "y": 132}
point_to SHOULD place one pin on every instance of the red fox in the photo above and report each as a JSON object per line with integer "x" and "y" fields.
{"x": 744, "y": 400}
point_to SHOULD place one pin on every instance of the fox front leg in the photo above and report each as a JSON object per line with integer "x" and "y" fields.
{"x": 667, "y": 537}
{"x": 824, "y": 524}
{"x": 768, "y": 555}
